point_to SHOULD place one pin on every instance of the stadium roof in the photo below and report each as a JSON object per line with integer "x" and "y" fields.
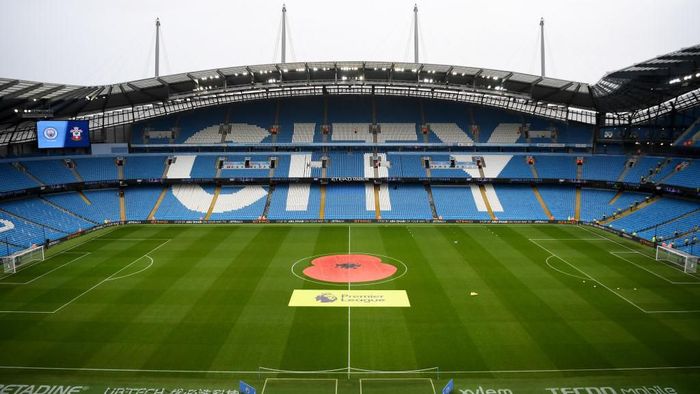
{"x": 629, "y": 90}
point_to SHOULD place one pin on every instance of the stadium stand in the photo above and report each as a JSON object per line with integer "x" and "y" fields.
{"x": 50, "y": 171}
{"x": 13, "y": 179}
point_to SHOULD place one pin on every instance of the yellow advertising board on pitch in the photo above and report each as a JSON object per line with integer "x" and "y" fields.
{"x": 351, "y": 298}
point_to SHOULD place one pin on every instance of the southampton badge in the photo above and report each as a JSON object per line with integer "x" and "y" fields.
{"x": 76, "y": 134}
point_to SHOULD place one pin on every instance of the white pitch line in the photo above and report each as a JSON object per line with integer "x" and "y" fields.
{"x": 652, "y": 272}
{"x": 45, "y": 273}
{"x": 590, "y": 277}
{"x": 110, "y": 277}
{"x": 302, "y": 380}
{"x": 349, "y": 364}
{"x": 560, "y": 271}
{"x": 234, "y": 372}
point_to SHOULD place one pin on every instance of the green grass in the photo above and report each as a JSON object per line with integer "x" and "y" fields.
{"x": 203, "y": 306}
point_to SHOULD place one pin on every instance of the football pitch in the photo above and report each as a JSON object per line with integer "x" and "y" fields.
{"x": 149, "y": 309}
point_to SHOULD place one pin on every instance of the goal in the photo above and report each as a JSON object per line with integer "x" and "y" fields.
{"x": 687, "y": 262}
{"x": 11, "y": 263}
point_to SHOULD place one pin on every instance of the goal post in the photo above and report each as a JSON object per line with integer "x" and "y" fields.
{"x": 686, "y": 261}
{"x": 11, "y": 263}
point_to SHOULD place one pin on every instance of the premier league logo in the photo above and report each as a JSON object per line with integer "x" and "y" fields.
{"x": 326, "y": 297}
{"x": 76, "y": 134}
{"x": 50, "y": 133}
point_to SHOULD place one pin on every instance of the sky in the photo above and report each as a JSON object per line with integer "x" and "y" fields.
{"x": 95, "y": 42}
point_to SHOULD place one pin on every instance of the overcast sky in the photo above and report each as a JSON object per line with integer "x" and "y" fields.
{"x": 91, "y": 42}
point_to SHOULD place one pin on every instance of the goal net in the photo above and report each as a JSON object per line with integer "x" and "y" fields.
{"x": 683, "y": 260}
{"x": 11, "y": 263}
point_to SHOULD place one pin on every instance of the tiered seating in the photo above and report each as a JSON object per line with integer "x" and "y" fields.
{"x": 96, "y": 169}
{"x": 660, "y": 211}
{"x": 519, "y": 203}
{"x": 303, "y": 132}
{"x": 668, "y": 169}
{"x": 505, "y": 133}
{"x": 345, "y": 202}
{"x": 299, "y": 167}
{"x": 556, "y": 167}
{"x": 50, "y": 172}
{"x": 456, "y": 202}
{"x": 104, "y": 207}
{"x": 39, "y": 211}
{"x": 240, "y": 203}
{"x": 190, "y": 123}
{"x": 295, "y": 202}
{"x": 451, "y": 133}
{"x": 643, "y": 167}
{"x": 595, "y": 203}
{"x": 407, "y": 202}
{"x": 208, "y": 135}
{"x": 181, "y": 167}
{"x": 12, "y": 179}
{"x": 185, "y": 202}
{"x": 140, "y": 201}
{"x": 243, "y": 133}
{"x": 24, "y": 234}
{"x": 603, "y": 168}
{"x": 263, "y": 171}
{"x": 560, "y": 200}
{"x": 406, "y": 165}
{"x": 144, "y": 167}
{"x": 397, "y": 132}
{"x": 345, "y": 165}
{"x": 204, "y": 167}
{"x": 351, "y": 132}
{"x": 688, "y": 177}
{"x": 517, "y": 168}
{"x": 682, "y": 226}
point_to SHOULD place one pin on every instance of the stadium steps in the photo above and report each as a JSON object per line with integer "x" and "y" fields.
{"x": 615, "y": 197}
{"x": 542, "y": 203}
{"x": 40, "y": 225}
{"x": 217, "y": 191}
{"x": 669, "y": 176}
{"x": 630, "y": 210}
{"x": 671, "y": 221}
{"x": 579, "y": 171}
{"x": 26, "y": 172}
{"x": 481, "y": 173}
{"x": 534, "y": 172}
{"x": 577, "y": 206}
{"x": 120, "y": 172}
{"x": 623, "y": 173}
{"x": 433, "y": 209}
{"x": 482, "y": 189}
{"x": 322, "y": 207}
{"x": 84, "y": 197}
{"x": 152, "y": 214}
{"x": 666, "y": 162}
{"x": 268, "y": 201}
{"x": 122, "y": 206}
{"x": 66, "y": 211}
{"x": 74, "y": 171}
{"x": 377, "y": 209}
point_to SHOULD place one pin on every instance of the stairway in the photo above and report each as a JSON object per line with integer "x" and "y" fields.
{"x": 167, "y": 167}
{"x": 615, "y": 197}
{"x": 120, "y": 172}
{"x": 542, "y": 203}
{"x": 579, "y": 171}
{"x": 534, "y": 172}
{"x": 268, "y": 201}
{"x": 122, "y": 206}
{"x": 627, "y": 168}
{"x": 75, "y": 173}
{"x": 322, "y": 208}
{"x": 377, "y": 209}
{"x": 26, "y": 172}
{"x": 152, "y": 215}
{"x": 577, "y": 206}
{"x": 433, "y": 209}
{"x": 217, "y": 191}
{"x": 482, "y": 189}
{"x": 631, "y": 210}
{"x": 64, "y": 210}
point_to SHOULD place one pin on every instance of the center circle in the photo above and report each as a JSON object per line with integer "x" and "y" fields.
{"x": 349, "y": 268}
{"x": 360, "y": 269}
